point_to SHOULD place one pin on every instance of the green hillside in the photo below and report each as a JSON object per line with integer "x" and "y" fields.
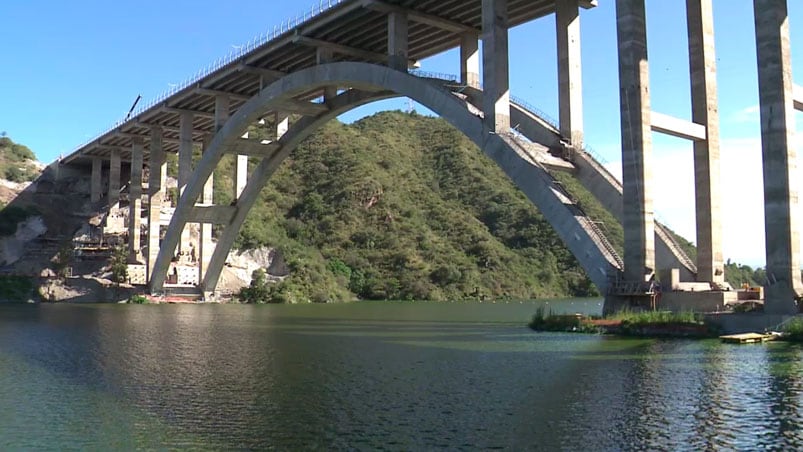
{"x": 402, "y": 206}
{"x": 16, "y": 161}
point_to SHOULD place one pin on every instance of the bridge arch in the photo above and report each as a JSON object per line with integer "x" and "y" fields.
{"x": 368, "y": 83}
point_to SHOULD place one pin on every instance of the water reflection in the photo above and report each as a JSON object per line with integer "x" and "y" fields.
{"x": 365, "y": 376}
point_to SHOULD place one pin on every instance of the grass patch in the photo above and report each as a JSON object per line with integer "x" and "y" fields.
{"x": 547, "y": 321}
{"x": 793, "y": 330}
{"x": 138, "y": 299}
{"x": 643, "y": 318}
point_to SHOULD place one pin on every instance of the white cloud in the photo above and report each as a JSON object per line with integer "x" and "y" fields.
{"x": 748, "y": 114}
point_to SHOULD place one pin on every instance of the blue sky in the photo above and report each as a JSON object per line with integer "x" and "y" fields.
{"x": 68, "y": 70}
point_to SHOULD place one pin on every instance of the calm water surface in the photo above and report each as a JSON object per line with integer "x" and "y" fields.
{"x": 378, "y": 376}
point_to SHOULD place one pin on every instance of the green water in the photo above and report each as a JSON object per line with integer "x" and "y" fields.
{"x": 400, "y": 376}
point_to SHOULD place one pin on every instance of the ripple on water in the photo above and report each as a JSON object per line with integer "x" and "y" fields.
{"x": 274, "y": 377}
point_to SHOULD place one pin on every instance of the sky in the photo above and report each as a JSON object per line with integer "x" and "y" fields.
{"x": 68, "y": 70}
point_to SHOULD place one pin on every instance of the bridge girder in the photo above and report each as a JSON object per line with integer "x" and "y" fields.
{"x": 533, "y": 180}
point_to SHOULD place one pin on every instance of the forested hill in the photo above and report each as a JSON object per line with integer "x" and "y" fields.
{"x": 402, "y": 206}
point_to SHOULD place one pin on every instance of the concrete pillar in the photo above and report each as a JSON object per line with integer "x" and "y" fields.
{"x": 496, "y": 65}
{"x": 135, "y": 201}
{"x": 96, "y": 182}
{"x": 570, "y": 78}
{"x": 205, "y": 246}
{"x": 634, "y": 92}
{"x": 470, "y": 60}
{"x": 703, "y": 74}
{"x": 325, "y": 56}
{"x": 779, "y": 157}
{"x": 156, "y": 195}
{"x": 114, "y": 178}
{"x": 282, "y": 121}
{"x": 222, "y": 107}
{"x": 184, "y": 166}
{"x": 398, "y": 35}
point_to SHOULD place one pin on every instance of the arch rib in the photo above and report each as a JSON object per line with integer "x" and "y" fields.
{"x": 576, "y": 231}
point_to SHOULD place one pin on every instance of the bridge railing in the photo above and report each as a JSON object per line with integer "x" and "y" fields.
{"x": 236, "y": 53}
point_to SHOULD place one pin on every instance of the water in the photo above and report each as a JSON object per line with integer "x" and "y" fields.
{"x": 378, "y": 376}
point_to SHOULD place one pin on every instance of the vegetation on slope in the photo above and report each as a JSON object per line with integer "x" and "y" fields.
{"x": 16, "y": 161}
{"x": 401, "y": 206}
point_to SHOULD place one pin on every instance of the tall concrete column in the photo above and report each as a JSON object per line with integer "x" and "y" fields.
{"x": 496, "y": 65}
{"x": 97, "y": 179}
{"x": 135, "y": 201}
{"x": 570, "y": 77}
{"x": 779, "y": 157}
{"x": 205, "y": 246}
{"x": 114, "y": 178}
{"x": 184, "y": 166}
{"x": 470, "y": 60}
{"x": 325, "y": 56}
{"x": 398, "y": 35}
{"x": 156, "y": 195}
{"x": 634, "y": 92}
{"x": 705, "y": 111}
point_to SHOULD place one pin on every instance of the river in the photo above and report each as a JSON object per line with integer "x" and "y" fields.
{"x": 399, "y": 376}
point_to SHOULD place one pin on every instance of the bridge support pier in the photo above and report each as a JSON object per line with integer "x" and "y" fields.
{"x": 470, "y": 60}
{"x": 184, "y": 167}
{"x": 398, "y": 41}
{"x": 156, "y": 196}
{"x": 96, "y": 181}
{"x": 114, "y": 178}
{"x": 705, "y": 111}
{"x": 496, "y": 65}
{"x": 570, "y": 84}
{"x": 135, "y": 201}
{"x": 779, "y": 156}
{"x": 638, "y": 219}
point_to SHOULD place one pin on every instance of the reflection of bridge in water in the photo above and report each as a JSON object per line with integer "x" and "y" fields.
{"x": 355, "y": 52}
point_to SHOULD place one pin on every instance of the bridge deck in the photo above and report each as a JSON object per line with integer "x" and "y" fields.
{"x": 356, "y": 30}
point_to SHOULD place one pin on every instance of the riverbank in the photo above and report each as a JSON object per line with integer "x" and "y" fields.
{"x": 659, "y": 324}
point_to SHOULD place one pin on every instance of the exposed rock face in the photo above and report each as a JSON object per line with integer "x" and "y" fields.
{"x": 12, "y": 248}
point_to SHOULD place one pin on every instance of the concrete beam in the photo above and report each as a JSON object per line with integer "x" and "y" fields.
{"x": 178, "y": 111}
{"x": 496, "y": 65}
{"x": 211, "y": 214}
{"x": 570, "y": 76}
{"x": 346, "y": 50}
{"x": 781, "y": 207}
{"x": 634, "y": 91}
{"x": 588, "y": 4}
{"x": 422, "y": 18}
{"x": 797, "y": 94}
{"x": 217, "y": 92}
{"x": 302, "y": 107}
{"x": 251, "y": 148}
{"x": 677, "y": 127}
{"x": 271, "y": 74}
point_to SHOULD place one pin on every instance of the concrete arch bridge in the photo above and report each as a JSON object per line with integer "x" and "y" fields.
{"x": 355, "y": 52}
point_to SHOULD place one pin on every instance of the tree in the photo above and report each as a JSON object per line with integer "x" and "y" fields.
{"x": 259, "y": 291}
{"x": 119, "y": 265}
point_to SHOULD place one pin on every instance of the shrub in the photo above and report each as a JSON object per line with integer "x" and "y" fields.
{"x": 138, "y": 299}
